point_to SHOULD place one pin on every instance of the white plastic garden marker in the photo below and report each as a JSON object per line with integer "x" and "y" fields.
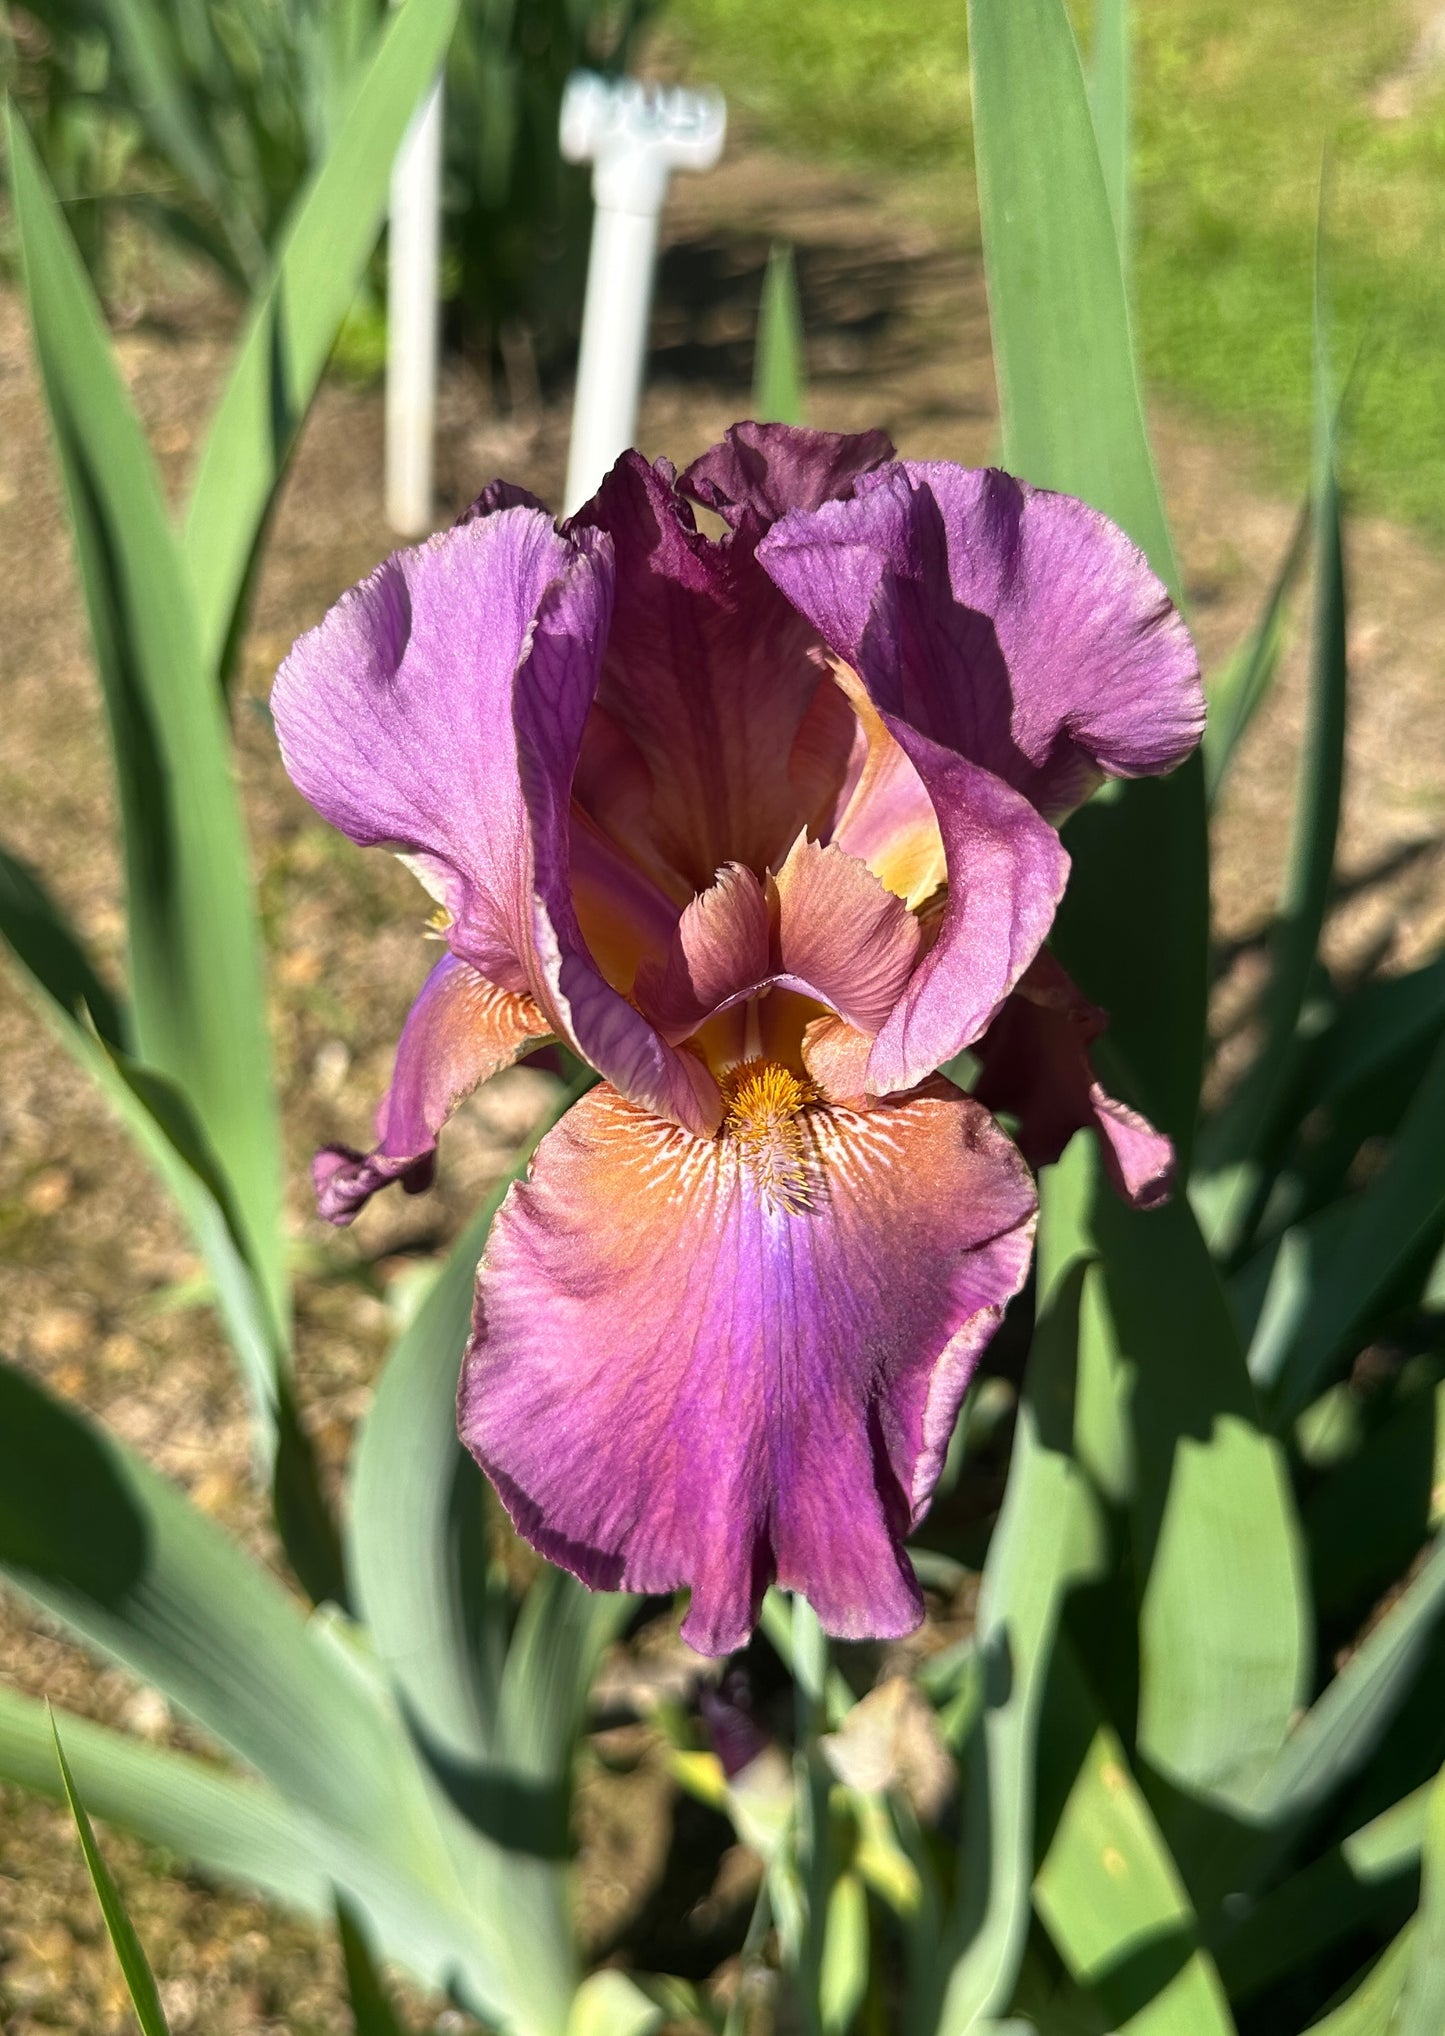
{"x": 411, "y": 319}
{"x": 635, "y": 136}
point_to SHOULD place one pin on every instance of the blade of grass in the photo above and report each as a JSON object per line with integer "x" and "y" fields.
{"x": 1369, "y": 1876}
{"x": 1240, "y": 688}
{"x": 1371, "y": 1240}
{"x": 1422, "y": 2001}
{"x": 238, "y": 1830}
{"x": 371, "y": 2009}
{"x": 1372, "y": 2007}
{"x": 1233, "y": 1149}
{"x": 1347, "y": 1721}
{"x": 247, "y": 1835}
{"x": 778, "y": 375}
{"x": 139, "y": 1979}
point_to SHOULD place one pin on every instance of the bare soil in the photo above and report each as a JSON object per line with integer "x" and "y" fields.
{"x": 96, "y": 1271}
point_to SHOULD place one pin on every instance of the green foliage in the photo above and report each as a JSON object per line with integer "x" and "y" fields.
{"x": 139, "y": 1980}
{"x": 517, "y": 217}
{"x": 1234, "y": 102}
{"x": 778, "y": 375}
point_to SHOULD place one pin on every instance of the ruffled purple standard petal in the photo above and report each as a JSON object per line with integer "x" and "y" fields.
{"x": 764, "y": 470}
{"x": 395, "y": 714}
{"x": 1018, "y": 627}
{"x": 1006, "y": 873}
{"x": 674, "y": 1380}
{"x": 1035, "y": 1064}
{"x": 439, "y": 709}
{"x": 460, "y": 1031}
{"x": 709, "y": 674}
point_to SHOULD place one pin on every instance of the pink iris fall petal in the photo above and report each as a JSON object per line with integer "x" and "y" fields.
{"x": 675, "y": 1378}
{"x": 761, "y": 826}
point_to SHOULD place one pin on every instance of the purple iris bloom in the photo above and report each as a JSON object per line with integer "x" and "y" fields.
{"x": 763, "y": 826}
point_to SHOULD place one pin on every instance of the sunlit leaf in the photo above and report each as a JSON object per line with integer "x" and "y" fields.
{"x": 108, "y": 1546}
{"x": 1233, "y": 1150}
{"x": 1239, "y": 690}
{"x": 1045, "y": 1540}
{"x": 1134, "y": 926}
{"x": 1113, "y": 1899}
{"x": 196, "y": 994}
{"x": 1422, "y": 2000}
{"x": 1109, "y": 101}
{"x": 778, "y": 372}
{"x": 292, "y": 324}
{"x": 1224, "y": 1639}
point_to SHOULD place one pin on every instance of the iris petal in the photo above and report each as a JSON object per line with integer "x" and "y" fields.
{"x": 710, "y": 673}
{"x": 764, "y": 470}
{"x": 461, "y": 1030}
{"x": 674, "y": 1380}
{"x": 1035, "y": 1063}
{"x": 439, "y": 709}
{"x": 1018, "y": 627}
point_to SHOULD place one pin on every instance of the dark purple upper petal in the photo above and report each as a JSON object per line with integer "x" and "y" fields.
{"x": 764, "y": 470}
{"x": 1018, "y": 627}
{"x": 707, "y": 682}
{"x": 500, "y": 494}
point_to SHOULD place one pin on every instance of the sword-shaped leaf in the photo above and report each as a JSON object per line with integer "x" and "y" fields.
{"x": 779, "y": 388}
{"x": 293, "y": 322}
{"x": 1134, "y": 926}
{"x": 196, "y": 994}
{"x": 139, "y": 1979}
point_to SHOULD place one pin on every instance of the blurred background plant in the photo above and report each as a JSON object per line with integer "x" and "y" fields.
{"x": 202, "y": 119}
{"x": 1182, "y": 1773}
{"x": 1235, "y": 103}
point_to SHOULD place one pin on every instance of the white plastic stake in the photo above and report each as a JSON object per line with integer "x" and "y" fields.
{"x": 411, "y": 319}
{"x": 635, "y": 136}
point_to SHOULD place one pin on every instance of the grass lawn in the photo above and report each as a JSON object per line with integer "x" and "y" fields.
{"x": 1237, "y": 103}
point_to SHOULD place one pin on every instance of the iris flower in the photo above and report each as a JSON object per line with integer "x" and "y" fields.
{"x": 763, "y": 826}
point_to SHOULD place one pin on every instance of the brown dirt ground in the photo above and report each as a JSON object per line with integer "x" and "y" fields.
{"x": 95, "y": 1265}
